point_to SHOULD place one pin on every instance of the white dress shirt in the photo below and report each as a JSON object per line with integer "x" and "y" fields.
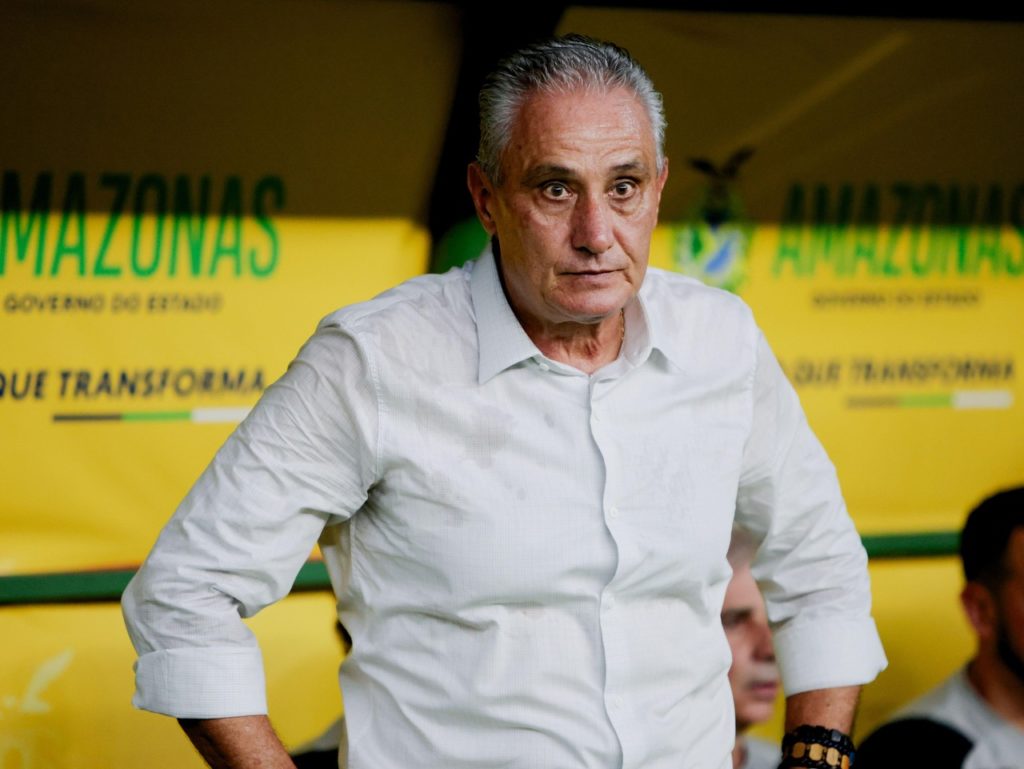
{"x": 530, "y": 560}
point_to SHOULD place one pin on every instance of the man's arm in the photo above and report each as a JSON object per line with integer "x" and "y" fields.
{"x": 303, "y": 458}
{"x": 831, "y": 708}
{"x": 811, "y": 565}
{"x": 234, "y": 743}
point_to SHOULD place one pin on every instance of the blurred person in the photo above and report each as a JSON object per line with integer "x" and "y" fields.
{"x": 753, "y": 676}
{"x": 975, "y": 718}
{"x": 523, "y": 476}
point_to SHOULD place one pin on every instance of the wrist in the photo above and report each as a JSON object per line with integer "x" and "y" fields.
{"x": 816, "y": 747}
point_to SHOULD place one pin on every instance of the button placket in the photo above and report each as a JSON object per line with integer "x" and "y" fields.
{"x": 611, "y": 620}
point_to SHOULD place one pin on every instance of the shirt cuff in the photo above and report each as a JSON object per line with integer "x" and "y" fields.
{"x": 201, "y": 682}
{"x": 828, "y": 653}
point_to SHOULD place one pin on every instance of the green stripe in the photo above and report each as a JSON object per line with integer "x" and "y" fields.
{"x": 86, "y": 586}
{"x": 51, "y": 588}
{"x": 910, "y": 401}
{"x": 90, "y": 417}
{"x": 872, "y": 401}
{"x": 921, "y": 545}
{"x": 156, "y": 416}
{"x": 77, "y": 587}
{"x": 312, "y": 576}
{"x": 927, "y": 401}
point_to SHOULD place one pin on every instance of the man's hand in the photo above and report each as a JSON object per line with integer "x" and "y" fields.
{"x": 246, "y": 742}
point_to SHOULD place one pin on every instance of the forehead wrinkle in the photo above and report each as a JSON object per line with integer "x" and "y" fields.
{"x": 546, "y": 171}
{"x": 638, "y": 167}
{"x": 628, "y": 124}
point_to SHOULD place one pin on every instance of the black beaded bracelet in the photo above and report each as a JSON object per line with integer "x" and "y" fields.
{"x": 816, "y": 747}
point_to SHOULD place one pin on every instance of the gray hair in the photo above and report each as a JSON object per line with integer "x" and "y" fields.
{"x": 560, "y": 65}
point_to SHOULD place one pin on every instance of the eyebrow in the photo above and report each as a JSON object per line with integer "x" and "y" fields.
{"x": 547, "y": 171}
{"x": 634, "y": 166}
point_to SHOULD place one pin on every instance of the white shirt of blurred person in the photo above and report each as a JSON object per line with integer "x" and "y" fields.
{"x": 754, "y": 676}
{"x": 975, "y": 718}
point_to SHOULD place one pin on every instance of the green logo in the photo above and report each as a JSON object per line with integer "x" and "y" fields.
{"x": 711, "y": 244}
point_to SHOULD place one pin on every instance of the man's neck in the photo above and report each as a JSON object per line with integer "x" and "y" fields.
{"x": 586, "y": 348}
{"x": 1002, "y": 691}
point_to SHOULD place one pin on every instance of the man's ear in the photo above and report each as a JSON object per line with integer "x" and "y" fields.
{"x": 663, "y": 175}
{"x": 482, "y": 191}
{"x": 659, "y": 181}
{"x": 981, "y": 609}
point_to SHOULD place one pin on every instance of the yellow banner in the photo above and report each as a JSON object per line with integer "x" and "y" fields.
{"x": 67, "y": 681}
{"x": 184, "y": 192}
{"x": 859, "y": 182}
{"x": 903, "y": 338}
{"x": 134, "y": 342}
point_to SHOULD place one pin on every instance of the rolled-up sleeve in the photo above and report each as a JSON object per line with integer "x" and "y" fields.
{"x": 303, "y": 458}
{"x": 811, "y": 566}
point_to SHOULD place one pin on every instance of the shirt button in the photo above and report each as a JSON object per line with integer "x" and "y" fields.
{"x": 615, "y": 703}
{"x": 609, "y": 602}
{"x": 543, "y": 366}
{"x": 613, "y": 512}
{"x": 595, "y": 416}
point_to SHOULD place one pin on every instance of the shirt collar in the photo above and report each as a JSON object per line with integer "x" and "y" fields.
{"x": 501, "y": 341}
{"x": 658, "y": 325}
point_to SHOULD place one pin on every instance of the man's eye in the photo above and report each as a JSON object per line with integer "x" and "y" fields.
{"x": 733, "y": 618}
{"x": 556, "y": 190}
{"x": 624, "y": 188}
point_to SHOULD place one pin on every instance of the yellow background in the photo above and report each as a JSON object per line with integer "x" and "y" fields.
{"x": 118, "y": 481}
{"x": 347, "y": 103}
{"x": 67, "y": 681}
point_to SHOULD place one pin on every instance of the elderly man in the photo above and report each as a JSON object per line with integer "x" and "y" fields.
{"x": 975, "y": 718}
{"x": 523, "y": 476}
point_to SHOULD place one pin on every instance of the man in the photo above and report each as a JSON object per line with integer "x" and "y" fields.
{"x": 522, "y": 476}
{"x": 974, "y": 719}
{"x": 754, "y": 676}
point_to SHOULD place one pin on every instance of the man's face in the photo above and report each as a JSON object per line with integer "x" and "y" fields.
{"x": 1009, "y": 626}
{"x": 753, "y": 676}
{"x": 576, "y": 208}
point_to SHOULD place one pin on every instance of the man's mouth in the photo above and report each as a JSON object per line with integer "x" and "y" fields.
{"x": 766, "y": 688}
{"x": 586, "y": 273}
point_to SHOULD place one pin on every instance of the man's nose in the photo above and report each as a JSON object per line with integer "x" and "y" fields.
{"x": 763, "y": 647}
{"x": 591, "y": 225}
